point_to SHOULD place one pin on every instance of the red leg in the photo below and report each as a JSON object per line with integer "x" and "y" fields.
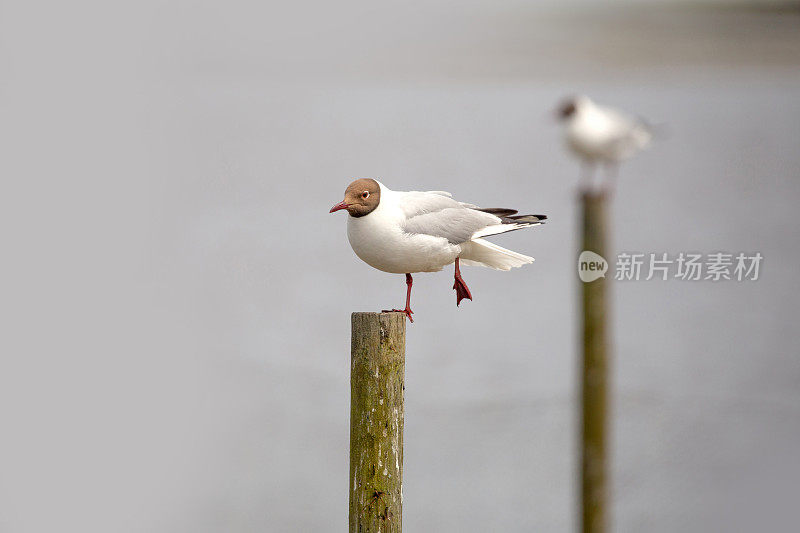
{"x": 407, "y": 310}
{"x": 462, "y": 291}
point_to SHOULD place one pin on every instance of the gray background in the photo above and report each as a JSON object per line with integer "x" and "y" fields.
{"x": 176, "y": 297}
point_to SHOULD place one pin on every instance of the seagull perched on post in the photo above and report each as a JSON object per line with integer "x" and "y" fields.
{"x": 409, "y": 232}
{"x": 601, "y": 135}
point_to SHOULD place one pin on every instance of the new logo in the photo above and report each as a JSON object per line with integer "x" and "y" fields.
{"x": 591, "y": 266}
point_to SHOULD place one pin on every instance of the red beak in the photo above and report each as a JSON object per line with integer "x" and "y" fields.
{"x": 340, "y": 205}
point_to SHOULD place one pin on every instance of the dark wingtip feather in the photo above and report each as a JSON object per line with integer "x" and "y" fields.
{"x": 508, "y": 215}
{"x": 501, "y": 212}
{"x": 525, "y": 219}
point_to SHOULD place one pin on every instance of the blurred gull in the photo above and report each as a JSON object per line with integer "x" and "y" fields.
{"x": 601, "y": 135}
{"x": 407, "y": 232}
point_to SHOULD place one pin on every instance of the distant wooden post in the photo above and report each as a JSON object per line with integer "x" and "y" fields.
{"x": 594, "y": 402}
{"x": 377, "y": 374}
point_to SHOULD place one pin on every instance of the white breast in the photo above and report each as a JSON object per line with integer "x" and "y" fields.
{"x": 378, "y": 240}
{"x": 597, "y": 134}
{"x": 588, "y": 135}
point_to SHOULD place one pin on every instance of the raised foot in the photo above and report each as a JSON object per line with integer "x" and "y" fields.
{"x": 462, "y": 291}
{"x": 407, "y": 311}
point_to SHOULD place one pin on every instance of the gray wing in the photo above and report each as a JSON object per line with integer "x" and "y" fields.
{"x": 418, "y": 202}
{"x": 431, "y": 213}
{"x": 628, "y": 132}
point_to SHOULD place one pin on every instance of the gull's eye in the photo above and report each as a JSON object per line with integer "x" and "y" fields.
{"x": 365, "y": 195}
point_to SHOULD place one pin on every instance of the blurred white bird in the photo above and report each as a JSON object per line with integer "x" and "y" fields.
{"x": 407, "y": 232}
{"x": 601, "y": 135}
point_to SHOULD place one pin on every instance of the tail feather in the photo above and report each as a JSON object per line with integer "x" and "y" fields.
{"x": 479, "y": 252}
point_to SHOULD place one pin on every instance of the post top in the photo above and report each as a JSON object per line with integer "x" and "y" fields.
{"x": 593, "y": 195}
{"x": 375, "y": 313}
{"x": 379, "y": 322}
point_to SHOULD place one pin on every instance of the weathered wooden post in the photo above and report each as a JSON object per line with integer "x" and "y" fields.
{"x": 377, "y": 374}
{"x": 594, "y": 402}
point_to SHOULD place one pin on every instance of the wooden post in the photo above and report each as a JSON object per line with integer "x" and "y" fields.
{"x": 594, "y": 401}
{"x": 377, "y": 374}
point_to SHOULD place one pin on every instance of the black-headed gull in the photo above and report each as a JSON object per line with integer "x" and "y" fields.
{"x": 601, "y": 135}
{"x": 408, "y": 232}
